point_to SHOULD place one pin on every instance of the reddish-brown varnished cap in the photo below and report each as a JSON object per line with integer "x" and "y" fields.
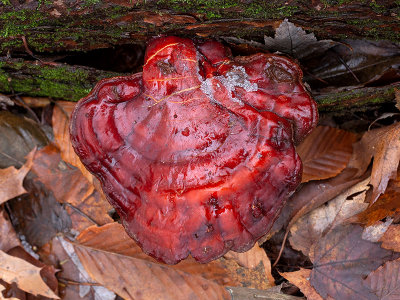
{"x": 197, "y": 152}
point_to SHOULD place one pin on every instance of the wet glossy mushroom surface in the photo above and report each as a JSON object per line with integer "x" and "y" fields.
{"x": 197, "y": 152}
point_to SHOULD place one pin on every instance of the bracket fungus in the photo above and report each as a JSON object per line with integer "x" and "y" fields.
{"x": 197, "y": 152}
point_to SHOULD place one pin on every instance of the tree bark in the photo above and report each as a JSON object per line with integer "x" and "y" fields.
{"x": 61, "y": 81}
{"x": 66, "y": 25}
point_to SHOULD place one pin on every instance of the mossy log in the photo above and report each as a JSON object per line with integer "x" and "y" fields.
{"x": 62, "y": 81}
{"x": 44, "y": 29}
{"x": 52, "y": 26}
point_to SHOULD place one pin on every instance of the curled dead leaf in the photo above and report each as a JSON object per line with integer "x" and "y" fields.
{"x": 391, "y": 238}
{"x": 383, "y": 145}
{"x": 386, "y": 206}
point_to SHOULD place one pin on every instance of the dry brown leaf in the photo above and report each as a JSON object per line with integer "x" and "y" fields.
{"x": 252, "y": 259}
{"x": 312, "y": 195}
{"x": 133, "y": 278}
{"x": 37, "y": 215}
{"x": 294, "y": 41}
{"x": 241, "y": 293}
{"x": 47, "y": 272}
{"x": 385, "y": 281}
{"x": 36, "y": 101}
{"x": 25, "y": 275}
{"x": 384, "y": 145}
{"x": 60, "y": 120}
{"x": 76, "y": 283}
{"x": 18, "y": 136}
{"x": 309, "y": 228}
{"x": 301, "y": 279}
{"x": 391, "y": 238}
{"x": 342, "y": 260}
{"x": 86, "y": 205}
{"x": 11, "y": 179}
{"x": 325, "y": 152}
{"x": 113, "y": 238}
{"x": 8, "y": 237}
{"x": 387, "y": 205}
{"x": 87, "y": 283}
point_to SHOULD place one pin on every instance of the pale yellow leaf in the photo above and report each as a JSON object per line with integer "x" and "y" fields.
{"x": 25, "y": 275}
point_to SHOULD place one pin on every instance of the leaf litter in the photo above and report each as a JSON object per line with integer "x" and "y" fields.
{"x": 253, "y": 266}
{"x": 97, "y": 260}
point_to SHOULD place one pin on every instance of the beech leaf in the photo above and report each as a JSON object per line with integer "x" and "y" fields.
{"x": 312, "y": 195}
{"x": 25, "y": 275}
{"x": 251, "y": 259}
{"x": 387, "y": 205}
{"x": 133, "y": 278}
{"x": 385, "y": 281}
{"x": 250, "y": 271}
{"x": 325, "y": 152}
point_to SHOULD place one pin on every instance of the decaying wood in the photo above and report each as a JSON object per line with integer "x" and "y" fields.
{"x": 41, "y": 30}
{"x": 62, "y": 81}
{"x": 66, "y": 25}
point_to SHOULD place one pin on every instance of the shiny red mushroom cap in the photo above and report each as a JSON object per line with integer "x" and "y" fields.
{"x": 197, "y": 152}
